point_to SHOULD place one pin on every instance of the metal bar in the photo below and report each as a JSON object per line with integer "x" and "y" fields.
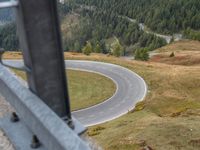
{"x": 8, "y": 4}
{"x": 53, "y": 133}
{"x": 39, "y": 34}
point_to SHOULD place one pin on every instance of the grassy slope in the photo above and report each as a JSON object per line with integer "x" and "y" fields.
{"x": 86, "y": 89}
{"x": 168, "y": 118}
{"x": 186, "y": 53}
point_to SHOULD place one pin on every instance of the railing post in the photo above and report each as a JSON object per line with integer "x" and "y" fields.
{"x": 40, "y": 39}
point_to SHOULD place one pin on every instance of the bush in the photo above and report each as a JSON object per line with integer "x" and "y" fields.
{"x": 172, "y": 54}
{"x": 191, "y": 34}
{"x": 97, "y": 49}
{"x": 142, "y": 54}
{"x": 87, "y": 50}
{"x": 117, "y": 50}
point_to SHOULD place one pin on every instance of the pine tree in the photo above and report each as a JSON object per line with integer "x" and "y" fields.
{"x": 77, "y": 47}
{"x": 117, "y": 49}
{"x": 97, "y": 48}
{"x": 87, "y": 49}
{"x": 142, "y": 54}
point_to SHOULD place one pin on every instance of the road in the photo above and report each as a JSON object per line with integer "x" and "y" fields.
{"x": 168, "y": 38}
{"x": 131, "y": 89}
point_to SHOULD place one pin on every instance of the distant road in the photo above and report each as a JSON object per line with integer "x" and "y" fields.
{"x": 168, "y": 38}
{"x": 131, "y": 89}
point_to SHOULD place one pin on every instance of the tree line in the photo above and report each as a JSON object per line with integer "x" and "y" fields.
{"x": 8, "y": 37}
{"x": 93, "y": 29}
{"x": 97, "y": 26}
{"x": 191, "y": 34}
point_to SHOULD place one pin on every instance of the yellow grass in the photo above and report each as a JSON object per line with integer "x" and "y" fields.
{"x": 186, "y": 53}
{"x": 185, "y": 45}
{"x": 12, "y": 55}
{"x": 164, "y": 120}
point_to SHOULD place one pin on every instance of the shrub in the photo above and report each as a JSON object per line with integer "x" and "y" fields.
{"x": 172, "y": 54}
{"x": 87, "y": 50}
{"x": 142, "y": 54}
{"x": 117, "y": 49}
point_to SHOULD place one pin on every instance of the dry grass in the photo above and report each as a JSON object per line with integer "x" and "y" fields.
{"x": 185, "y": 45}
{"x": 186, "y": 53}
{"x": 164, "y": 120}
{"x": 12, "y": 55}
{"x": 174, "y": 90}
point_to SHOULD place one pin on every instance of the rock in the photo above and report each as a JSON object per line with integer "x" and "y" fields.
{"x": 147, "y": 148}
{"x": 141, "y": 143}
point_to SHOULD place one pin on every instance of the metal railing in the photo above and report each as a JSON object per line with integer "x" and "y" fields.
{"x": 50, "y": 129}
{"x": 43, "y": 106}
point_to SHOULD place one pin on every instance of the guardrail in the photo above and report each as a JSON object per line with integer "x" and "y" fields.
{"x": 44, "y": 106}
{"x": 50, "y": 129}
{"x": 9, "y": 4}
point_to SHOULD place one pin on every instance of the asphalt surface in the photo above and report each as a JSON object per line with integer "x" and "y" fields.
{"x": 131, "y": 89}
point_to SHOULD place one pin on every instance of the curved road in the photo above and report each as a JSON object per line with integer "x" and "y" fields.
{"x": 131, "y": 89}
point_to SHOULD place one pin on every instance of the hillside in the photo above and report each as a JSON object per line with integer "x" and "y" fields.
{"x": 186, "y": 53}
{"x": 97, "y": 26}
{"x": 162, "y": 36}
{"x": 136, "y": 24}
{"x": 159, "y": 15}
{"x": 168, "y": 118}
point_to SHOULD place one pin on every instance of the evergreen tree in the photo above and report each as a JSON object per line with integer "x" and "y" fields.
{"x": 77, "y": 47}
{"x": 8, "y": 37}
{"x": 159, "y": 15}
{"x": 142, "y": 54}
{"x": 87, "y": 50}
{"x": 97, "y": 48}
{"x": 117, "y": 49}
{"x": 191, "y": 34}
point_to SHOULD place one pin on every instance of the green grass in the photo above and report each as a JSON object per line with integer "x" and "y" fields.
{"x": 85, "y": 89}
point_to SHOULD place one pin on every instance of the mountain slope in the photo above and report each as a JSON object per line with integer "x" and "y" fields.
{"x": 159, "y": 15}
